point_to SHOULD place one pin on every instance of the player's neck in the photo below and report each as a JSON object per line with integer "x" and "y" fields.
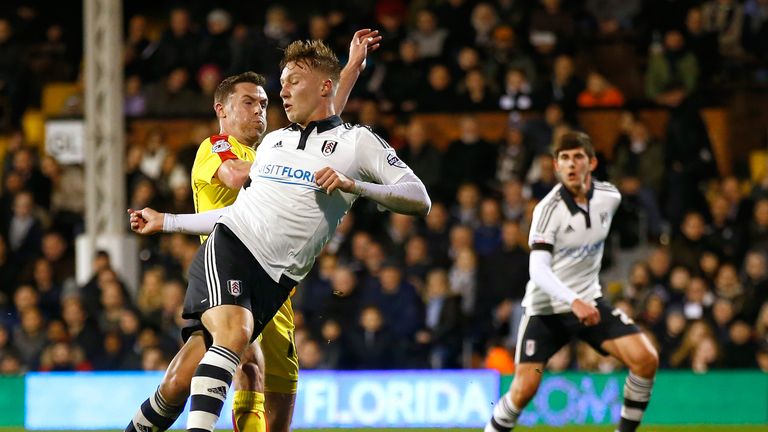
{"x": 223, "y": 131}
{"x": 322, "y": 112}
{"x": 580, "y": 192}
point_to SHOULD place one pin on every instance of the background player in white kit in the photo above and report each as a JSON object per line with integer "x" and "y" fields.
{"x": 305, "y": 179}
{"x": 563, "y": 298}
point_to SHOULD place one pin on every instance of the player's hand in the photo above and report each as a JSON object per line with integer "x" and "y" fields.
{"x": 363, "y": 42}
{"x": 146, "y": 221}
{"x": 330, "y": 180}
{"x": 585, "y": 312}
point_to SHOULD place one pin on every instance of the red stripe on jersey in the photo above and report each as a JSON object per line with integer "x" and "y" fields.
{"x": 226, "y": 154}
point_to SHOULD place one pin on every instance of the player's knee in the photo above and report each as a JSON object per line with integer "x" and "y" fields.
{"x": 234, "y": 338}
{"x": 650, "y": 362}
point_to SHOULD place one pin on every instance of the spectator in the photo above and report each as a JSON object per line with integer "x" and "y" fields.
{"x": 563, "y": 88}
{"x": 469, "y": 158}
{"x": 439, "y": 94}
{"x": 755, "y": 282}
{"x": 24, "y": 229}
{"x": 484, "y": 20}
{"x": 518, "y": 93}
{"x": 704, "y": 45}
{"x": 463, "y": 277}
{"x": 726, "y": 19}
{"x": 137, "y": 48}
{"x": 400, "y": 306}
{"x": 476, "y": 94}
{"x": 514, "y": 201}
{"x": 56, "y": 251}
{"x": 466, "y": 211}
{"x": 29, "y": 337}
{"x": 672, "y": 68}
{"x": 502, "y": 277}
{"x": 371, "y": 344}
{"x": 538, "y": 133}
{"x": 428, "y": 35}
{"x": 613, "y": 16}
{"x": 403, "y": 78}
{"x": 599, "y": 93}
{"x": 436, "y": 232}
{"x": 417, "y": 262}
{"x": 25, "y": 165}
{"x": 541, "y": 176}
{"x": 443, "y": 322}
{"x": 488, "y": 232}
{"x": 504, "y": 53}
{"x": 423, "y": 158}
{"x": 514, "y": 156}
{"x": 178, "y": 48}
{"x": 551, "y": 30}
{"x": 695, "y": 334}
{"x": 215, "y": 44}
{"x": 755, "y": 30}
{"x": 171, "y": 96}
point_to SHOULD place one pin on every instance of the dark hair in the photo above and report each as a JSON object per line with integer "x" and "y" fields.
{"x": 574, "y": 140}
{"x": 227, "y": 86}
{"x": 316, "y": 54}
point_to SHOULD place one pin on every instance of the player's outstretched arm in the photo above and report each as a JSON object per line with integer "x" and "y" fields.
{"x": 363, "y": 42}
{"x": 148, "y": 221}
{"x": 407, "y": 196}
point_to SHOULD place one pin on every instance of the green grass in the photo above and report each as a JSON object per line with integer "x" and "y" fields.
{"x": 650, "y": 428}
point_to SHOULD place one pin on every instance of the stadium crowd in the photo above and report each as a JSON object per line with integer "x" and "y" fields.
{"x": 686, "y": 260}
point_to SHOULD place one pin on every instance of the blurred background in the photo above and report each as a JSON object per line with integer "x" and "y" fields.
{"x": 674, "y": 94}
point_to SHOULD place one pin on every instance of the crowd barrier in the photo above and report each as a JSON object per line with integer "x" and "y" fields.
{"x": 399, "y": 399}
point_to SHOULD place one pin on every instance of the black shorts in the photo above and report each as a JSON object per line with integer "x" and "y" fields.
{"x": 224, "y": 272}
{"x": 541, "y": 336}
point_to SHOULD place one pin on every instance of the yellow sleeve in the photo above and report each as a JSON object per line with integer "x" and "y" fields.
{"x": 210, "y": 155}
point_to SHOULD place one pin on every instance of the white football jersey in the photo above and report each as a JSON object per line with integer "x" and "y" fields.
{"x": 282, "y": 216}
{"x": 576, "y": 238}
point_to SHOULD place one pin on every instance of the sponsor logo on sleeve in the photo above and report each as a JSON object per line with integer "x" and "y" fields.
{"x": 221, "y": 146}
{"x": 395, "y": 161}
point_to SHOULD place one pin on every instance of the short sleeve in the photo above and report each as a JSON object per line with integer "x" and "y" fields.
{"x": 210, "y": 155}
{"x": 544, "y": 226}
{"x": 378, "y": 161}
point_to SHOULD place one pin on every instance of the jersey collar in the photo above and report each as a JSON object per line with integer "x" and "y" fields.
{"x": 323, "y": 125}
{"x": 574, "y": 208}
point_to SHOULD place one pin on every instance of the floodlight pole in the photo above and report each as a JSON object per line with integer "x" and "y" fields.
{"x": 105, "y": 217}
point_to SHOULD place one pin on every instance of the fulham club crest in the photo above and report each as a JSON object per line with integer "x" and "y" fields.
{"x": 530, "y": 347}
{"x": 329, "y": 147}
{"x": 235, "y": 287}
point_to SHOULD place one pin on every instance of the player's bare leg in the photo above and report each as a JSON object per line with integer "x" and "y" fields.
{"x": 231, "y": 328}
{"x": 162, "y": 409}
{"x": 523, "y": 388}
{"x": 280, "y": 411}
{"x": 248, "y": 413}
{"x": 637, "y": 352}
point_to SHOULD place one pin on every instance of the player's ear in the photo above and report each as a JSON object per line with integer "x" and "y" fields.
{"x": 327, "y": 89}
{"x": 592, "y": 163}
{"x": 220, "y": 110}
